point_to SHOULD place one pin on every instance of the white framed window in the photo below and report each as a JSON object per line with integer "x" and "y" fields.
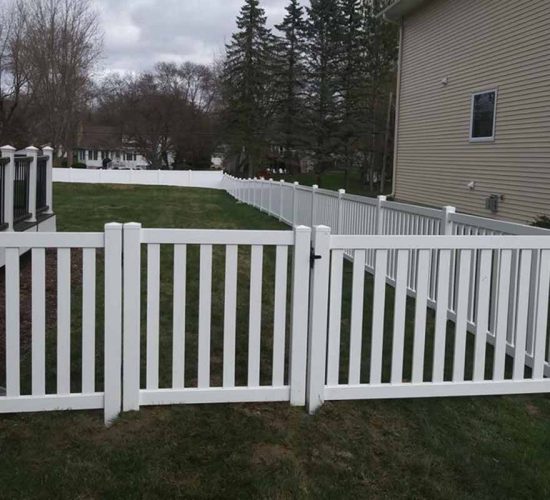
{"x": 82, "y": 155}
{"x": 483, "y": 117}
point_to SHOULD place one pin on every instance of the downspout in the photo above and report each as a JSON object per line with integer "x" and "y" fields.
{"x": 397, "y": 107}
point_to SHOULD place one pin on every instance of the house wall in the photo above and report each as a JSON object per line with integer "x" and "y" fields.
{"x": 140, "y": 162}
{"x": 478, "y": 45}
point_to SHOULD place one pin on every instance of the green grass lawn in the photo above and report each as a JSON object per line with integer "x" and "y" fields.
{"x": 456, "y": 448}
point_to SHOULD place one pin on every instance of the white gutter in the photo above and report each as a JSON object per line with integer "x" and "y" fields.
{"x": 400, "y": 9}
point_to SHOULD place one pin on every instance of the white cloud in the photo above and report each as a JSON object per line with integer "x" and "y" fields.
{"x": 140, "y": 33}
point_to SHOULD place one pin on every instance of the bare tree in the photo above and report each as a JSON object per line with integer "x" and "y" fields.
{"x": 13, "y": 76}
{"x": 62, "y": 43}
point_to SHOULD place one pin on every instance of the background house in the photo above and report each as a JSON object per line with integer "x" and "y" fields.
{"x": 473, "y": 124}
{"x": 106, "y": 147}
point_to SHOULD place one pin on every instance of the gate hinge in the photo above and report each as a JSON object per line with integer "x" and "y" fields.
{"x": 313, "y": 258}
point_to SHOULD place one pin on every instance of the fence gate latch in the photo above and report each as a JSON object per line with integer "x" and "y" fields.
{"x": 313, "y": 258}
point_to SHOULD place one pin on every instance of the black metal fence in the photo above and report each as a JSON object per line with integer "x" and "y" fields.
{"x": 3, "y": 163}
{"x": 41, "y": 173}
{"x": 21, "y": 189}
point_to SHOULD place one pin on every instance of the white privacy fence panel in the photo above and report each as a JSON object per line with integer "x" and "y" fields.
{"x": 371, "y": 360}
{"x": 63, "y": 368}
{"x": 224, "y": 358}
{"x": 178, "y": 178}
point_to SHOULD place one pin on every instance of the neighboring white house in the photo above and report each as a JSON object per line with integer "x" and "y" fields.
{"x": 106, "y": 147}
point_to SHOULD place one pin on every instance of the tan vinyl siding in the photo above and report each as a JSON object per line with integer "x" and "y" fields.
{"x": 478, "y": 45}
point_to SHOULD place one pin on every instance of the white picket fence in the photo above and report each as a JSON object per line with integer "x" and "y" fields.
{"x": 357, "y": 215}
{"x": 224, "y": 359}
{"x": 484, "y": 278}
{"x": 494, "y": 287}
{"x": 199, "y": 386}
{"x": 64, "y": 393}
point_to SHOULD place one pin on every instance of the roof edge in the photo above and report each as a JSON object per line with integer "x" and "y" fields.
{"x": 399, "y": 9}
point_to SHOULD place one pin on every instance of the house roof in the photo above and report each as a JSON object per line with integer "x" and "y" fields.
{"x": 401, "y": 8}
{"x": 100, "y": 137}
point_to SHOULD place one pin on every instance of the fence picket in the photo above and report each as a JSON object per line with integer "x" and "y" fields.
{"x": 279, "y": 320}
{"x": 464, "y": 263}
{"x": 423, "y": 277}
{"x": 38, "y": 321}
{"x": 205, "y": 315}
{"x": 153, "y": 310}
{"x": 399, "y": 316}
{"x": 501, "y": 331}
{"x": 378, "y": 307}
{"x": 483, "y": 311}
{"x": 64, "y": 321}
{"x": 88, "y": 319}
{"x": 441, "y": 315}
{"x": 335, "y": 317}
{"x": 255, "y": 315}
{"x": 522, "y": 313}
{"x": 179, "y": 309}
{"x": 230, "y": 315}
{"x": 13, "y": 384}
{"x": 356, "y": 327}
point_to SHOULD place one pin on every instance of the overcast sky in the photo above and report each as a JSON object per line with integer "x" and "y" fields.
{"x": 140, "y": 33}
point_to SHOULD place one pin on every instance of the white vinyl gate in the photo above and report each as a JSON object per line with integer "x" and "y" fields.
{"x": 198, "y": 385}
{"x": 496, "y": 296}
{"x": 241, "y": 331}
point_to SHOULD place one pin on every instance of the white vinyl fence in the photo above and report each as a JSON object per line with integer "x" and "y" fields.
{"x": 202, "y": 383}
{"x": 222, "y": 346}
{"x": 58, "y": 377}
{"x": 178, "y": 178}
{"x": 229, "y": 328}
{"x": 381, "y": 362}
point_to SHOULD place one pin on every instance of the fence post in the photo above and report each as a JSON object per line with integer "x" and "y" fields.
{"x": 281, "y": 194}
{"x": 270, "y": 207}
{"x": 314, "y": 189}
{"x": 294, "y": 204}
{"x": 446, "y": 222}
{"x": 48, "y": 151}
{"x": 262, "y": 209}
{"x": 380, "y": 215}
{"x": 32, "y": 152}
{"x": 131, "y": 319}
{"x": 9, "y": 181}
{"x": 341, "y": 193}
{"x": 113, "y": 321}
{"x": 318, "y": 319}
{"x": 299, "y": 316}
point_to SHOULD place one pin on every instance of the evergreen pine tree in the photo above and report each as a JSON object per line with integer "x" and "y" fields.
{"x": 353, "y": 75}
{"x": 247, "y": 86}
{"x": 290, "y": 81}
{"x": 324, "y": 49}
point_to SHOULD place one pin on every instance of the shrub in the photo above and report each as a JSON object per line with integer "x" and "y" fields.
{"x": 79, "y": 165}
{"x": 542, "y": 221}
